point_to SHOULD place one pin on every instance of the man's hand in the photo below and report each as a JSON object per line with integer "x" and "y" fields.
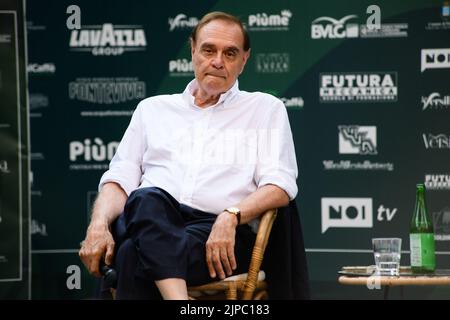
{"x": 220, "y": 246}
{"x": 98, "y": 241}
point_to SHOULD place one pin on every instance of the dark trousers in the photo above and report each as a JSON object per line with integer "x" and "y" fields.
{"x": 159, "y": 238}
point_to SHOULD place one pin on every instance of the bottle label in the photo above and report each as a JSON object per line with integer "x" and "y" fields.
{"x": 422, "y": 250}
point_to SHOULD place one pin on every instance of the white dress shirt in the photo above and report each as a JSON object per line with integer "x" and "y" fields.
{"x": 207, "y": 158}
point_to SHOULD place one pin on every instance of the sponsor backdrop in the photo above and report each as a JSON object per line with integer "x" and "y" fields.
{"x": 14, "y": 155}
{"x": 366, "y": 89}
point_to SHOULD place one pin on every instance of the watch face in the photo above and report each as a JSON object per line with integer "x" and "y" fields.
{"x": 233, "y": 210}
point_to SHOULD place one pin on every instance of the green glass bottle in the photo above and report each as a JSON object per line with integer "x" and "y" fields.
{"x": 421, "y": 236}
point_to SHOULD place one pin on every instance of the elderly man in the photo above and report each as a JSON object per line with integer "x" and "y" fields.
{"x": 192, "y": 174}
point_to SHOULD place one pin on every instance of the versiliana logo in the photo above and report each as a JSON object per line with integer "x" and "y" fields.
{"x": 108, "y": 39}
{"x": 270, "y": 22}
{"x": 438, "y": 141}
{"x": 181, "y": 21}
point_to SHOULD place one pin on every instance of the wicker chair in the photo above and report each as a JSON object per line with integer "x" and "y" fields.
{"x": 247, "y": 286}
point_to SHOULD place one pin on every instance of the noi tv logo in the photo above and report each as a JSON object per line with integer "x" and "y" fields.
{"x": 435, "y": 59}
{"x": 346, "y": 213}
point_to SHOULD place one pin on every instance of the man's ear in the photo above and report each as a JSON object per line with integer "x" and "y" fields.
{"x": 192, "y": 46}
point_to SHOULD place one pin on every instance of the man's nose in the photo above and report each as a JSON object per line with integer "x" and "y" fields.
{"x": 217, "y": 61}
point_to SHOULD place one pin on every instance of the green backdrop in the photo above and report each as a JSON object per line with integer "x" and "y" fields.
{"x": 369, "y": 111}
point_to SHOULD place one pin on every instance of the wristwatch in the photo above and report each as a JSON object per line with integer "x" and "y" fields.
{"x": 236, "y": 212}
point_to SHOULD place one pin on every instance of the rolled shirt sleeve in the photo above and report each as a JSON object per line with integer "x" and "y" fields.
{"x": 276, "y": 162}
{"x": 125, "y": 167}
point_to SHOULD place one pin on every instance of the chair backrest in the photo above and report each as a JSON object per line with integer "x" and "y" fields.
{"x": 262, "y": 238}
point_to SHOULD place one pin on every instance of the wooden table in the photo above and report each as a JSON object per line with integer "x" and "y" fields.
{"x": 440, "y": 278}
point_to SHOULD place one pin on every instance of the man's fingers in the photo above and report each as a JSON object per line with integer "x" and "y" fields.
{"x": 225, "y": 261}
{"x": 231, "y": 257}
{"x": 109, "y": 254}
{"x": 218, "y": 264}
{"x": 212, "y": 272}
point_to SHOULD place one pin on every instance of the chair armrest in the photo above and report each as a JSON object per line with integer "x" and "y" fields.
{"x": 262, "y": 238}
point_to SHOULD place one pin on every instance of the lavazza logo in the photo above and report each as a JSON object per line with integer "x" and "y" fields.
{"x": 330, "y": 28}
{"x": 108, "y": 39}
{"x": 435, "y": 101}
{"x": 437, "y": 181}
{"x": 269, "y": 22}
{"x": 181, "y": 68}
{"x": 435, "y": 59}
{"x": 182, "y": 22}
{"x": 272, "y": 62}
{"x": 352, "y": 213}
{"x": 358, "y": 87}
{"x": 357, "y": 140}
{"x": 436, "y": 141}
{"x": 91, "y": 154}
{"x": 106, "y": 90}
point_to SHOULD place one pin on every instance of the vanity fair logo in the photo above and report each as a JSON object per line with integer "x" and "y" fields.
{"x": 182, "y": 22}
{"x": 435, "y": 101}
{"x": 108, "y": 39}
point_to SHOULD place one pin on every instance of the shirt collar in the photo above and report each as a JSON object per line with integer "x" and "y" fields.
{"x": 224, "y": 99}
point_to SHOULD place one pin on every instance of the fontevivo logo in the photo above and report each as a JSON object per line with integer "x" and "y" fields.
{"x": 181, "y": 21}
{"x": 108, "y": 39}
{"x": 346, "y": 213}
{"x": 106, "y": 90}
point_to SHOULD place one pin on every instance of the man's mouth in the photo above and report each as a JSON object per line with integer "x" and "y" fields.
{"x": 215, "y": 75}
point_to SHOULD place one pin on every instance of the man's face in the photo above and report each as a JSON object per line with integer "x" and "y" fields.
{"x": 218, "y": 56}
